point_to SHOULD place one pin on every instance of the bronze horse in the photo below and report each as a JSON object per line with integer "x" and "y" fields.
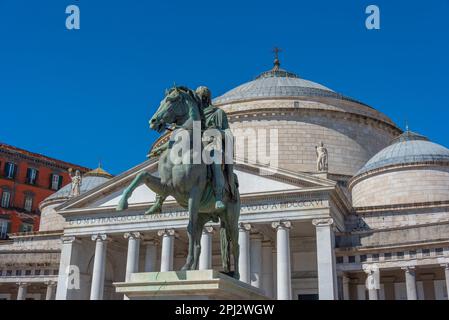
{"x": 189, "y": 183}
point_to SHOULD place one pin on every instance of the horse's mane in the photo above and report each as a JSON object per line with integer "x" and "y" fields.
{"x": 193, "y": 96}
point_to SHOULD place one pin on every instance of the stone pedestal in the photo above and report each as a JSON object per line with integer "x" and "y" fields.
{"x": 191, "y": 285}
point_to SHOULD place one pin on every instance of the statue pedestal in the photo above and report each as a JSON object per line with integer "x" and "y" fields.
{"x": 190, "y": 285}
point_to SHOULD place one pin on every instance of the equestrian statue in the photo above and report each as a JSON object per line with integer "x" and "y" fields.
{"x": 208, "y": 190}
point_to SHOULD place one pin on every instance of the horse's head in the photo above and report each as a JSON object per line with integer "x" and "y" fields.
{"x": 177, "y": 107}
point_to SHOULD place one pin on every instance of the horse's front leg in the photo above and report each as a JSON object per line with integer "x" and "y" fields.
{"x": 138, "y": 180}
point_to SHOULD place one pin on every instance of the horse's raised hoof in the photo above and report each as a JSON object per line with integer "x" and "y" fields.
{"x": 122, "y": 205}
{"x": 155, "y": 209}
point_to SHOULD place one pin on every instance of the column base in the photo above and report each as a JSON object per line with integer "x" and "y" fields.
{"x": 189, "y": 285}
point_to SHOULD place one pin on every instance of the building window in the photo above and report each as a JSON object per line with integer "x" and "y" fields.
{"x": 339, "y": 259}
{"x": 412, "y": 254}
{"x": 46, "y": 272}
{"x": 55, "y": 272}
{"x": 6, "y": 199}
{"x": 28, "y": 206}
{"x": 351, "y": 259}
{"x": 426, "y": 252}
{"x": 400, "y": 255}
{"x": 10, "y": 170}
{"x": 439, "y": 251}
{"x": 8, "y": 273}
{"x": 375, "y": 257}
{"x": 4, "y": 228}
{"x": 56, "y": 182}
{"x": 32, "y": 175}
{"x": 25, "y": 227}
{"x": 37, "y": 272}
{"x": 28, "y": 272}
{"x": 18, "y": 272}
{"x": 363, "y": 258}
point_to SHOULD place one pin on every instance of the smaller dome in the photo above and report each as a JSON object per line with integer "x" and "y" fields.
{"x": 89, "y": 181}
{"x": 408, "y": 148}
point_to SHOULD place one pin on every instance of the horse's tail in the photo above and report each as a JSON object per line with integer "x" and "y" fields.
{"x": 225, "y": 248}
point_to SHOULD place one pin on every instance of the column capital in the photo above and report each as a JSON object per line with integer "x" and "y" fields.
{"x": 100, "y": 237}
{"x": 445, "y": 266}
{"x": 244, "y": 226}
{"x": 283, "y": 224}
{"x": 408, "y": 268}
{"x": 68, "y": 239}
{"x": 133, "y": 235}
{"x": 208, "y": 229}
{"x": 325, "y": 222}
{"x": 370, "y": 268}
{"x": 50, "y": 283}
{"x": 167, "y": 233}
{"x": 23, "y": 284}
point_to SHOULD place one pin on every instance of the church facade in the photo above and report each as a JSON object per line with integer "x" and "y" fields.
{"x": 344, "y": 205}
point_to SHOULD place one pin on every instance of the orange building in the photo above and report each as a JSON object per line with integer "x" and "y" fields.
{"x": 27, "y": 178}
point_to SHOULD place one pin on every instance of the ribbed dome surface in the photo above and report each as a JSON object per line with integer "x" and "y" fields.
{"x": 407, "y": 148}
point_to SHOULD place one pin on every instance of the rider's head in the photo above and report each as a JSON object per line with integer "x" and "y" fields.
{"x": 205, "y": 96}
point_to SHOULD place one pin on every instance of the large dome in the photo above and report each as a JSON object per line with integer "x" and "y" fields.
{"x": 304, "y": 113}
{"x": 411, "y": 169}
{"x": 277, "y": 83}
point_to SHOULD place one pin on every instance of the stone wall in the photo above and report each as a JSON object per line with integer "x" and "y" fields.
{"x": 402, "y": 186}
{"x": 351, "y": 141}
{"x": 50, "y": 220}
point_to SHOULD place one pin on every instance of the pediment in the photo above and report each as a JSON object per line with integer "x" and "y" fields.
{"x": 253, "y": 180}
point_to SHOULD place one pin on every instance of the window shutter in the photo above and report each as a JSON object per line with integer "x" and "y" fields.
{"x": 50, "y": 183}
{"x": 8, "y": 229}
{"x": 6, "y": 169}
{"x": 14, "y": 171}
{"x": 28, "y": 178}
{"x": 60, "y": 182}
{"x": 37, "y": 177}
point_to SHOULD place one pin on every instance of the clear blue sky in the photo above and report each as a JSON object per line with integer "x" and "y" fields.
{"x": 88, "y": 94}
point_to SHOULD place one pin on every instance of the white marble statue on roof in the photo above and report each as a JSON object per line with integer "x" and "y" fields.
{"x": 76, "y": 183}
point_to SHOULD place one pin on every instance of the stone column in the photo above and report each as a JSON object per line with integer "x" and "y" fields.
{"x": 284, "y": 283}
{"x": 345, "y": 282}
{"x": 256, "y": 260}
{"x": 410, "y": 282}
{"x": 132, "y": 259}
{"x": 327, "y": 275}
{"x": 205, "y": 262}
{"x": 267, "y": 268}
{"x": 244, "y": 257}
{"x": 446, "y": 274}
{"x": 98, "y": 273}
{"x": 168, "y": 239}
{"x": 22, "y": 292}
{"x": 68, "y": 277}
{"x": 49, "y": 295}
{"x": 150, "y": 255}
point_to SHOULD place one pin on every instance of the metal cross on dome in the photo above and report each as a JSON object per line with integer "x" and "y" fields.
{"x": 277, "y": 63}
